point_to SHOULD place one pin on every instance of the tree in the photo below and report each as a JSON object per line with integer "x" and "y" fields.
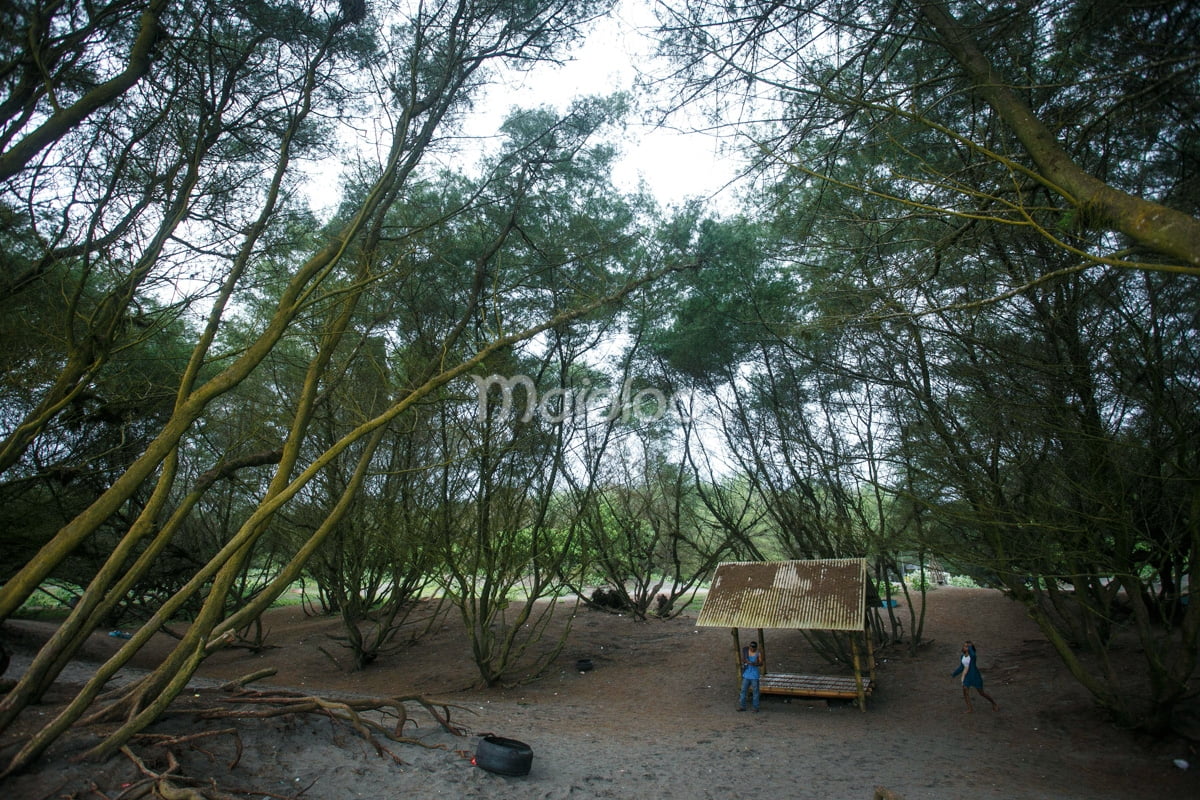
{"x": 59, "y": 71}
{"x": 437, "y": 58}
{"x": 645, "y": 536}
{"x": 853, "y": 76}
{"x": 1060, "y": 481}
{"x": 959, "y": 222}
{"x": 507, "y": 534}
{"x": 374, "y": 565}
{"x": 999, "y": 423}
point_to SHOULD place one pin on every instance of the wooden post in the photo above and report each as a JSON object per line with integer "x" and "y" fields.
{"x": 737, "y": 652}
{"x": 762, "y": 652}
{"x": 858, "y": 678}
{"x": 871, "y": 655}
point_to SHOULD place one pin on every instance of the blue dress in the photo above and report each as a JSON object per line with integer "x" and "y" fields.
{"x": 972, "y": 679}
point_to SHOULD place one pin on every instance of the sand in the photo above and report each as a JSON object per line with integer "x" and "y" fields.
{"x": 655, "y": 718}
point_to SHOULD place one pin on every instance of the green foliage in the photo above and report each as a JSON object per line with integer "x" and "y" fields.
{"x": 51, "y": 601}
{"x": 954, "y": 379}
{"x": 913, "y": 340}
{"x": 724, "y": 304}
{"x": 310, "y": 345}
{"x": 918, "y": 582}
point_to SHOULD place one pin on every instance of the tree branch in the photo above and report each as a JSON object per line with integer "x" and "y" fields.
{"x": 1164, "y": 230}
{"x": 65, "y": 119}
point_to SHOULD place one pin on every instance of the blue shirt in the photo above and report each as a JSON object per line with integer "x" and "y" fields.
{"x": 751, "y": 671}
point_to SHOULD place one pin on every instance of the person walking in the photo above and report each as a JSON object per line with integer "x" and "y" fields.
{"x": 752, "y": 666}
{"x": 972, "y": 679}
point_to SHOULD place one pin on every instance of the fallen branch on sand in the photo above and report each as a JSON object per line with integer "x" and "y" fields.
{"x": 240, "y": 683}
{"x": 392, "y": 717}
{"x": 170, "y": 786}
{"x": 265, "y": 704}
{"x": 167, "y": 741}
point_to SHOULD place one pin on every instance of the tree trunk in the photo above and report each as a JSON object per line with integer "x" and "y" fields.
{"x": 1164, "y": 230}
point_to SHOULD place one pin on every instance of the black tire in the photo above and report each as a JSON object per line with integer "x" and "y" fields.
{"x": 503, "y": 756}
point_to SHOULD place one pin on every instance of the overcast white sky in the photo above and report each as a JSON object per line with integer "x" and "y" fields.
{"x": 674, "y": 165}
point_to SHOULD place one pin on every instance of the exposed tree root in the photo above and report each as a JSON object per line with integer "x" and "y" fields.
{"x": 161, "y": 776}
{"x": 264, "y": 704}
{"x": 167, "y": 741}
{"x": 169, "y": 786}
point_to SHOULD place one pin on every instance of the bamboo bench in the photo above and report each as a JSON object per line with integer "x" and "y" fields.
{"x": 825, "y": 686}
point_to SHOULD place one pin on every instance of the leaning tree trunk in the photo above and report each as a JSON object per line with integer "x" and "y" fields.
{"x": 1162, "y": 229}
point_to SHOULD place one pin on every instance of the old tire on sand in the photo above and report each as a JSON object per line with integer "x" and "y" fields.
{"x": 503, "y": 756}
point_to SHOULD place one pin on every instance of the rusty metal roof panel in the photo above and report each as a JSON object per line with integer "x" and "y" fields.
{"x": 823, "y": 594}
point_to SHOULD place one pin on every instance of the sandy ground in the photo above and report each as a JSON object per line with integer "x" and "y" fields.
{"x": 655, "y": 718}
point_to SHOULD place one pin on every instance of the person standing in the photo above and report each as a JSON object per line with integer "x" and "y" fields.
{"x": 972, "y": 679}
{"x": 752, "y": 666}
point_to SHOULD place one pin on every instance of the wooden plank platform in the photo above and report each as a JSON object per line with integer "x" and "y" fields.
{"x": 833, "y": 686}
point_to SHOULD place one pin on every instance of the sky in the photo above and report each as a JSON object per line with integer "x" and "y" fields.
{"x": 674, "y": 165}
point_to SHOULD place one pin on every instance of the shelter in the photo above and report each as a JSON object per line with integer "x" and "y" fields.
{"x": 822, "y": 594}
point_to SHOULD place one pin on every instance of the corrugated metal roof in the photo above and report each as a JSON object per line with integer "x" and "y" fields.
{"x": 824, "y": 594}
